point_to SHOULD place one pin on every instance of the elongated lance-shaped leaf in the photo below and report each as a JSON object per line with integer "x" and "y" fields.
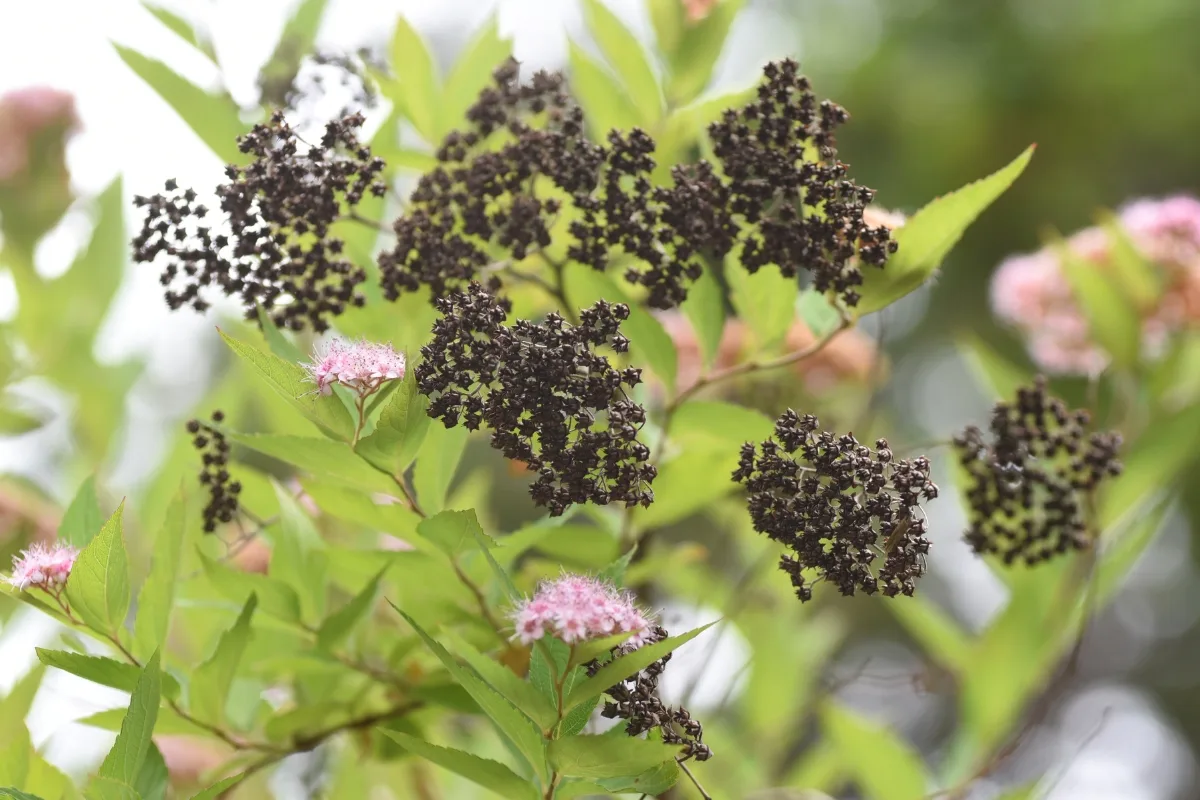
{"x": 482, "y": 771}
{"x": 298, "y": 557}
{"x": 471, "y": 74}
{"x": 209, "y": 688}
{"x": 124, "y": 761}
{"x": 83, "y": 519}
{"x": 276, "y": 598}
{"x": 98, "y": 586}
{"x": 885, "y": 766}
{"x": 102, "y": 670}
{"x": 520, "y": 693}
{"x": 628, "y": 58}
{"x": 417, "y": 79}
{"x": 157, "y": 596}
{"x": 338, "y": 626}
{"x": 607, "y": 756}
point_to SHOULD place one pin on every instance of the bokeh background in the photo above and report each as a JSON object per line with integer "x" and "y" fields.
{"x": 940, "y": 92}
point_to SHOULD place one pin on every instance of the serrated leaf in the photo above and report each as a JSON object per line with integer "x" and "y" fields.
{"x": 98, "y": 586}
{"x": 592, "y": 756}
{"x": 930, "y": 234}
{"x": 621, "y": 668}
{"x": 437, "y": 462}
{"x": 277, "y": 598}
{"x": 884, "y": 766}
{"x": 323, "y": 458}
{"x": 472, "y": 73}
{"x": 355, "y": 506}
{"x": 83, "y": 518}
{"x": 338, "y": 626}
{"x": 400, "y": 429}
{"x": 214, "y": 118}
{"x": 705, "y": 310}
{"x": 605, "y": 104}
{"x": 416, "y": 75}
{"x": 153, "y": 778}
{"x": 625, "y": 54}
{"x": 521, "y": 694}
{"x": 484, "y": 772}
{"x": 766, "y": 300}
{"x": 208, "y": 690}
{"x": 157, "y": 596}
{"x": 701, "y": 46}
{"x": 292, "y": 383}
{"x": 102, "y": 788}
{"x": 124, "y": 761}
{"x": 652, "y": 782}
{"x": 104, "y": 671}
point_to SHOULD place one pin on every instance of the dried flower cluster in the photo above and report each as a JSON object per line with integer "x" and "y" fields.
{"x": 362, "y": 367}
{"x": 214, "y": 476}
{"x": 273, "y": 245}
{"x": 838, "y": 506}
{"x": 576, "y": 608}
{"x": 636, "y": 701}
{"x": 43, "y": 567}
{"x": 550, "y": 400}
{"x": 1029, "y": 486}
{"x": 1032, "y": 292}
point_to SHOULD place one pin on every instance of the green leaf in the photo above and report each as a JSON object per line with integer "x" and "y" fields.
{"x": 649, "y": 342}
{"x": 295, "y": 42}
{"x": 1135, "y": 273}
{"x": 930, "y": 234}
{"x": 652, "y": 782}
{"x": 604, "y": 756}
{"x": 884, "y": 766}
{"x": 15, "y": 705}
{"x": 15, "y": 757}
{"x": 182, "y": 28}
{"x": 624, "y": 53}
{"x": 996, "y": 375}
{"x": 471, "y": 74}
{"x": 280, "y": 345}
{"x": 214, "y": 118}
{"x": 614, "y": 573}
{"x": 323, "y": 458}
{"x": 102, "y": 670}
{"x": 454, "y": 532}
{"x": 209, "y": 688}
{"x": 400, "y": 429}
{"x": 666, "y": 17}
{"x": 605, "y": 104}
{"x": 124, "y": 761}
{"x": 417, "y": 78}
{"x": 491, "y": 775}
{"x": 517, "y": 727}
{"x": 297, "y": 558}
{"x": 1119, "y": 556}
{"x": 354, "y": 506}
{"x": 292, "y": 383}
{"x": 98, "y": 587}
{"x": 818, "y": 313}
{"x": 943, "y": 639}
{"x": 766, "y": 300}
{"x": 15, "y": 423}
{"x": 705, "y": 309}
{"x": 17, "y": 794}
{"x": 152, "y": 779}
{"x": 1152, "y": 462}
{"x": 168, "y": 722}
{"x": 102, "y": 788}
{"x": 338, "y": 626}
{"x": 693, "y": 62}
{"x": 1112, "y": 318}
{"x": 521, "y": 694}
{"x": 621, "y": 668}
{"x": 437, "y": 461}
{"x": 219, "y": 789}
{"x": 83, "y": 519}
{"x": 157, "y": 595}
{"x": 277, "y": 598}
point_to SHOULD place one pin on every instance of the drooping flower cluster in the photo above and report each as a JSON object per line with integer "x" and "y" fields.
{"x": 274, "y": 245}
{"x": 43, "y": 567}
{"x": 222, "y": 489}
{"x": 1031, "y": 291}
{"x": 361, "y": 366}
{"x": 636, "y": 701}
{"x": 550, "y": 400}
{"x": 576, "y": 608}
{"x": 838, "y": 506}
{"x": 1028, "y": 484}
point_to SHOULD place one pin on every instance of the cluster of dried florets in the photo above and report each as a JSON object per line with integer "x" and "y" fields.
{"x": 577, "y": 608}
{"x": 1029, "y": 486}
{"x": 222, "y": 489}
{"x": 42, "y": 567}
{"x": 550, "y": 400}
{"x": 273, "y": 246}
{"x": 838, "y": 505}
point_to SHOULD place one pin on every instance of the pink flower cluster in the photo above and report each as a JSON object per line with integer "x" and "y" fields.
{"x": 358, "y": 365}
{"x": 1031, "y": 291}
{"x": 43, "y": 567}
{"x": 576, "y": 608}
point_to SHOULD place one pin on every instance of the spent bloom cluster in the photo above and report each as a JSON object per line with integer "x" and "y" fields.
{"x": 223, "y": 491}
{"x": 43, "y": 567}
{"x": 359, "y": 365}
{"x": 576, "y": 608}
{"x": 1031, "y": 291}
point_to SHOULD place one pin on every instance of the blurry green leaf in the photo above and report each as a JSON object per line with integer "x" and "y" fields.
{"x": 484, "y": 772}
{"x": 517, "y": 727}
{"x": 520, "y": 693}
{"x": 280, "y": 345}
{"x": 687, "y": 484}
{"x": 297, "y": 558}
{"x": 519, "y": 542}
{"x": 417, "y": 77}
{"x": 292, "y": 383}
{"x": 168, "y": 722}
{"x": 625, "y": 54}
{"x": 818, "y": 313}
{"x": 1112, "y": 318}
{"x": 649, "y": 344}
{"x": 182, "y": 28}
{"x": 1118, "y": 557}
{"x": 693, "y": 62}
{"x": 581, "y": 545}
{"x": 338, "y": 626}
{"x": 153, "y": 778}
{"x": 1134, "y": 272}
{"x": 766, "y": 300}
{"x": 884, "y": 766}
{"x": 323, "y": 458}
{"x": 214, "y": 118}
{"x": 15, "y": 705}
{"x": 614, "y": 573}
{"x": 926, "y": 238}
{"x": 221, "y": 787}
{"x": 721, "y": 422}
{"x": 295, "y": 42}
{"x": 666, "y": 16}
{"x": 472, "y": 73}
{"x": 573, "y": 788}
{"x": 208, "y": 691}
{"x": 705, "y": 309}
{"x": 15, "y": 423}
{"x": 605, "y": 104}
{"x": 583, "y": 652}
{"x": 589, "y": 756}
{"x": 83, "y": 518}
{"x": 1152, "y": 462}
{"x": 102, "y": 788}
{"x": 17, "y": 794}
{"x": 400, "y": 429}
{"x": 437, "y": 461}
{"x": 124, "y": 761}
{"x": 14, "y": 757}
{"x": 997, "y": 376}
{"x": 277, "y": 598}
{"x": 98, "y": 587}
{"x": 652, "y": 782}
{"x": 454, "y": 532}
{"x": 621, "y": 668}
{"x": 104, "y": 671}
{"x": 357, "y": 507}
{"x": 46, "y": 780}
{"x": 1026, "y": 792}
{"x": 940, "y": 636}
{"x": 157, "y": 595}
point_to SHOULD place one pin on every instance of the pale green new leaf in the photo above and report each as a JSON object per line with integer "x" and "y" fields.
{"x": 606, "y": 756}
{"x": 765, "y": 300}
{"x": 98, "y": 587}
{"x": 338, "y": 626}
{"x": 520, "y": 693}
{"x": 695, "y": 58}
{"x": 997, "y": 376}
{"x": 818, "y": 313}
{"x": 124, "y": 761}
{"x": 625, "y": 54}
{"x": 280, "y": 345}
{"x": 323, "y": 458}
{"x": 102, "y": 670}
{"x": 182, "y": 28}
{"x": 221, "y": 787}
{"x": 705, "y": 309}
{"x": 298, "y": 557}
{"x": 606, "y": 105}
{"x": 17, "y": 794}
{"x": 295, "y": 42}
{"x": 208, "y": 691}
{"x": 454, "y": 532}
{"x": 667, "y": 19}
{"x": 277, "y": 598}
{"x": 943, "y": 639}
{"x": 83, "y": 518}
{"x": 471, "y": 74}
{"x": 417, "y": 78}
{"x": 157, "y": 596}
{"x": 489, "y": 774}
{"x": 15, "y": 705}
{"x": 437, "y": 460}
{"x": 884, "y": 766}
{"x": 621, "y": 668}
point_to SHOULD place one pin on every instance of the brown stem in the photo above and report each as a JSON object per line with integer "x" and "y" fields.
{"x": 354, "y": 216}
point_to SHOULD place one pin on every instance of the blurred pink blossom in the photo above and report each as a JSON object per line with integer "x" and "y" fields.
{"x": 575, "y": 608}
{"x": 43, "y": 567}
{"x": 25, "y": 115}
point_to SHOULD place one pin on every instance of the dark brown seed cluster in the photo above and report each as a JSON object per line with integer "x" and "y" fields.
{"x": 636, "y": 701}
{"x": 214, "y": 475}
{"x": 1029, "y": 487}
{"x": 838, "y": 505}
{"x": 550, "y": 400}
{"x": 272, "y": 244}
